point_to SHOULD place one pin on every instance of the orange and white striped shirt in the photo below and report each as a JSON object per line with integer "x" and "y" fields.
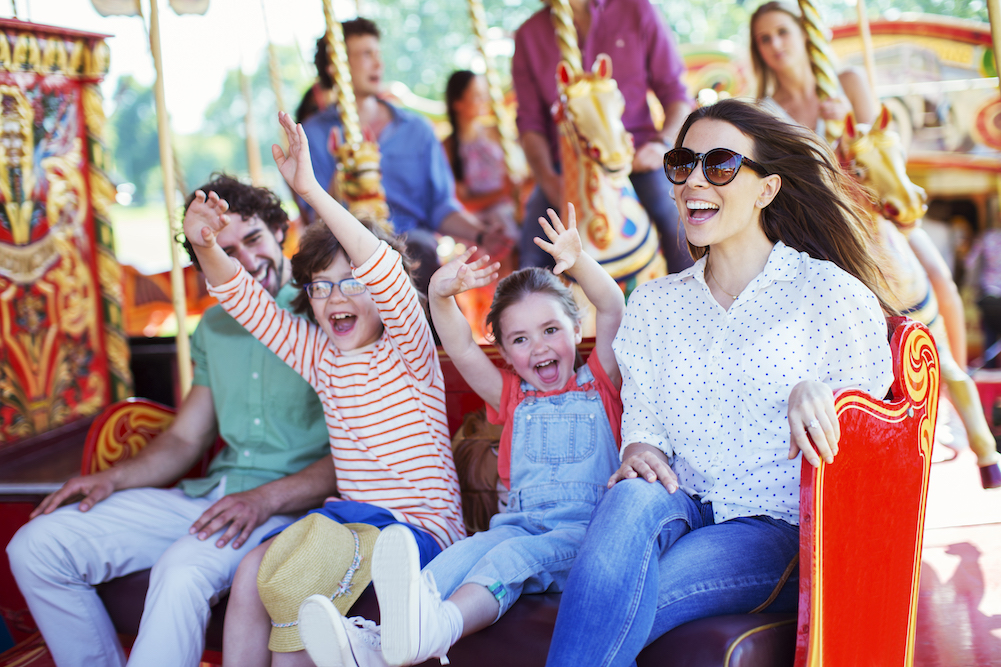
{"x": 384, "y": 405}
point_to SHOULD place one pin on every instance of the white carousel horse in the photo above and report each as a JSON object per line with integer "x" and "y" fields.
{"x": 877, "y": 160}
{"x": 596, "y": 154}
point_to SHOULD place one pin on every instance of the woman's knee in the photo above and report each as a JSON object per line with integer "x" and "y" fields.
{"x": 637, "y": 498}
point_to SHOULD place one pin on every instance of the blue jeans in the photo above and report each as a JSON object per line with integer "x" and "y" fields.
{"x": 652, "y": 561}
{"x": 562, "y": 453}
{"x": 654, "y": 192}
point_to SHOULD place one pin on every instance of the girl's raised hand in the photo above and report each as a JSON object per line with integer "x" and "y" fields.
{"x": 205, "y": 218}
{"x": 296, "y": 167}
{"x": 564, "y": 240}
{"x": 457, "y": 276}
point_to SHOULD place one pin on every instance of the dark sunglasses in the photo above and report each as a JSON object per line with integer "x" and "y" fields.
{"x": 321, "y": 289}
{"x": 719, "y": 166}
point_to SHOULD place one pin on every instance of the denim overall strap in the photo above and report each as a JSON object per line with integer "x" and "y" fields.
{"x": 563, "y": 449}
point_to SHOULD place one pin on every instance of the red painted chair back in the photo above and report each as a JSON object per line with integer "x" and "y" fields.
{"x": 125, "y": 427}
{"x": 862, "y": 518}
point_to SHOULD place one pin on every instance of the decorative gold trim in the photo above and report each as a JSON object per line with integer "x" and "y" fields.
{"x": 761, "y": 628}
{"x": 126, "y": 433}
{"x": 17, "y": 148}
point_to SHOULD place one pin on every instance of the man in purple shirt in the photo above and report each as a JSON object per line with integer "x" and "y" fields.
{"x": 644, "y": 56}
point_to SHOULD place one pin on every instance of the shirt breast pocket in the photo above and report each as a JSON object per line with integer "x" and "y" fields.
{"x": 557, "y": 438}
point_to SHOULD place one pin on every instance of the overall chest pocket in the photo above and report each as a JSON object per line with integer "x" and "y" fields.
{"x": 554, "y": 438}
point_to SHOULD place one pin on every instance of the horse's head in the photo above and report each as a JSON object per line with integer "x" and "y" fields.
{"x": 592, "y": 105}
{"x": 876, "y": 158}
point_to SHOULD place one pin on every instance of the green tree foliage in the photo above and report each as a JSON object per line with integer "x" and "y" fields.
{"x": 221, "y": 145}
{"x": 133, "y": 136}
{"x": 423, "y": 41}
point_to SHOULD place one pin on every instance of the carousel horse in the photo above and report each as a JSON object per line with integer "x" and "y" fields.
{"x": 596, "y": 153}
{"x": 876, "y": 158}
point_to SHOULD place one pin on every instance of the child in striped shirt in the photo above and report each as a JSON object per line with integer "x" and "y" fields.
{"x": 558, "y": 449}
{"x": 366, "y": 346}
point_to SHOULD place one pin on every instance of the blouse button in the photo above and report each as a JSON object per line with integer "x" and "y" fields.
{"x": 592, "y": 394}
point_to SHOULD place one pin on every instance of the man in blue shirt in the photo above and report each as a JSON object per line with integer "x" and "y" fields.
{"x": 420, "y": 189}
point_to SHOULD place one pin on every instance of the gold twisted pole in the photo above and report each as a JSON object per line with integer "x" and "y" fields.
{"x": 821, "y": 62}
{"x": 338, "y": 54}
{"x": 359, "y": 176}
{"x": 566, "y": 34}
{"x": 509, "y": 142}
{"x": 274, "y": 75}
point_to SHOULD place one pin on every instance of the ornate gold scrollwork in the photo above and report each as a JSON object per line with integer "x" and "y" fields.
{"x": 920, "y": 380}
{"x": 17, "y": 146}
{"x": 99, "y": 61}
{"x": 6, "y": 62}
{"x": 54, "y": 55}
{"x": 26, "y": 53}
{"x": 126, "y": 433}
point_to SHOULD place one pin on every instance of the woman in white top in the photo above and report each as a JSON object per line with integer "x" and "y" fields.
{"x": 786, "y": 82}
{"x": 728, "y": 372}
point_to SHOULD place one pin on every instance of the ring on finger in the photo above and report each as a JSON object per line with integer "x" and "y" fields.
{"x": 814, "y": 423}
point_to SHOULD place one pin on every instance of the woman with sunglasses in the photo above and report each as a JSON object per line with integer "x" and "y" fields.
{"x": 728, "y": 372}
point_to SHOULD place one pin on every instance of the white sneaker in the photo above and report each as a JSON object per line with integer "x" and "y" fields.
{"x": 334, "y": 641}
{"x": 413, "y": 627}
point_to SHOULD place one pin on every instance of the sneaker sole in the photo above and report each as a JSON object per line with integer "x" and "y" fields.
{"x": 396, "y": 571}
{"x": 322, "y": 631}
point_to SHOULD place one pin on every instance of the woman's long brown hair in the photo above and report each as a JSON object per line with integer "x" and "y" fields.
{"x": 819, "y": 209}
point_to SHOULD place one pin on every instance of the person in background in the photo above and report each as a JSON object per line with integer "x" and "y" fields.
{"x": 420, "y": 190}
{"x": 644, "y": 57}
{"x": 474, "y": 151}
{"x": 983, "y": 266}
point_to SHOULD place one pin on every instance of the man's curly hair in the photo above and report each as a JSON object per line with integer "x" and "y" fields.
{"x": 245, "y": 201}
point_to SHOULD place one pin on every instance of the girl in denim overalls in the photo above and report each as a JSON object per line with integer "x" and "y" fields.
{"x": 558, "y": 450}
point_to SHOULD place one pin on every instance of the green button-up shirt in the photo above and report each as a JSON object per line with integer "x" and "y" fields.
{"x": 269, "y": 416}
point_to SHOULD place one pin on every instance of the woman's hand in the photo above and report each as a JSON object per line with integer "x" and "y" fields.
{"x": 457, "y": 276}
{"x": 296, "y": 167}
{"x": 565, "y": 246}
{"x": 812, "y": 418}
{"x": 205, "y": 218}
{"x": 648, "y": 462}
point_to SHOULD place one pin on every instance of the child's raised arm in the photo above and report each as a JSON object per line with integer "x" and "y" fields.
{"x": 297, "y": 170}
{"x": 603, "y": 292}
{"x": 204, "y": 219}
{"x": 453, "y": 330}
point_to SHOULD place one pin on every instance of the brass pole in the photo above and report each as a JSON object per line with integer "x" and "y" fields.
{"x": 566, "y": 34}
{"x": 169, "y": 193}
{"x": 821, "y": 62}
{"x": 338, "y": 54}
{"x": 867, "y": 49}
{"x": 253, "y": 146}
{"x": 509, "y": 141}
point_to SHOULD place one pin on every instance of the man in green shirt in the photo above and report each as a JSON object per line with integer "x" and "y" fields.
{"x": 275, "y": 465}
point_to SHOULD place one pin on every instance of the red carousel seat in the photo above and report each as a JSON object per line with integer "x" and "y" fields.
{"x": 859, "y": 563}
